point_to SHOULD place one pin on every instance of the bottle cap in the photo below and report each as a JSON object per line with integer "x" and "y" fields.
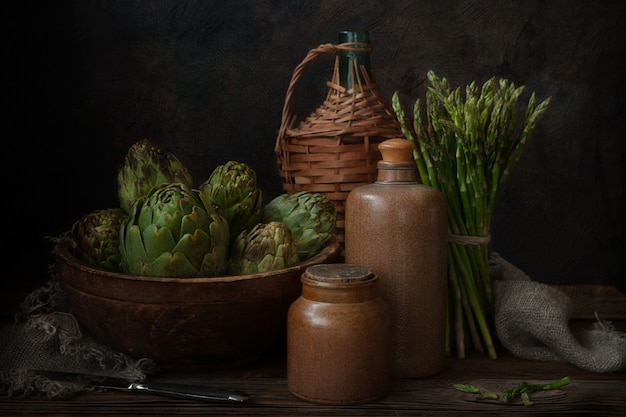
{"x": 396, "y": 150}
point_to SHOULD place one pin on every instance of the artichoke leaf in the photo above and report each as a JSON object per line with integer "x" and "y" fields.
{"x": 220, "y": 231}
{"x": 197, "y": 219}
{"x": 157, "y": 240}
{"x": 170, "y": 265}
{"x": 192, "y": 246}
{"x": 131, "y": 245}
{"x": 213, "y": 264}
{"x": 271, "y": 263}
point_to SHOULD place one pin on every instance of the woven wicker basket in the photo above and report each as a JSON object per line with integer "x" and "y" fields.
{"x": 335, "y": 149}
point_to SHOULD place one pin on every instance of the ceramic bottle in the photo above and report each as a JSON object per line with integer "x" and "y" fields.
{"x": 397, "y": 227}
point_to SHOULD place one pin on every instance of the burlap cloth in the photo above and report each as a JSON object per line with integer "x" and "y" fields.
{"x": 531, "y": 321}
{"x": 47, "y": 336}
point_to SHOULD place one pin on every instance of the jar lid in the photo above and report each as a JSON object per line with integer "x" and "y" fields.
{"x": 338, "y": 273}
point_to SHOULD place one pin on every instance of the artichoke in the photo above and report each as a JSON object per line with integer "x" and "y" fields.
{"x": 95, "y": 237}
{"x": 310, "y": 216}
{"x": 146, "y": 166}
{"x": 232, "y": 188}
{"x": 171, "y": 233}
{"x": 266, "y": 247}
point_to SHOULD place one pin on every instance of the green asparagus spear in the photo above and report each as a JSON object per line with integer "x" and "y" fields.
{"x": 522, "y": 390}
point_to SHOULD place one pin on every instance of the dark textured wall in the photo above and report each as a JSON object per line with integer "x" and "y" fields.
{"x": 207, "y": 80}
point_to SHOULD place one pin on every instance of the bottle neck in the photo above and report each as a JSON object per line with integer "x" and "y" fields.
{"x": 396, "y": 172}
{"x": 354, "y": 57}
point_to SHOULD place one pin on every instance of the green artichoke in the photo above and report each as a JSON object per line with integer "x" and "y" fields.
{"x": 310, "y": 216}
{"x": 266, "y": 247}
{"x": 95, "y": 238}
{"x": 146, "y": 166}
{"x": 232, "y": 188}
{"x": 171, "y": 233}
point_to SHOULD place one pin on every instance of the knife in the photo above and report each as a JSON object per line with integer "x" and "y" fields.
{"x": 191, "y": 392}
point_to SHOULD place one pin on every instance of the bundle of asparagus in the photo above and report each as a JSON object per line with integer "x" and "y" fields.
{"x": 466, "y": 149}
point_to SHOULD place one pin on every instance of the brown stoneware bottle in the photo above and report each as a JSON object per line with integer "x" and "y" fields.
{"x": 397, "y": 227}
{"x": 338, "y": 334}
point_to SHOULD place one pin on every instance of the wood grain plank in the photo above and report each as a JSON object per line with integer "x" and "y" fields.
{"x": 269, "y": 396}
{"x": 588, "y": 300}
{"x": 589, "y": 394}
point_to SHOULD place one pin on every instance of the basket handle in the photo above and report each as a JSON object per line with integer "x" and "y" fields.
{"x": 297, "y": 72}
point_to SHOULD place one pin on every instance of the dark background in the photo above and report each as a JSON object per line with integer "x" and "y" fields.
{"x": 207, "y": 81}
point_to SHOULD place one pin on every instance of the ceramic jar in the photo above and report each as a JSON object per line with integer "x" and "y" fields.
{"x": 338, "y": 334}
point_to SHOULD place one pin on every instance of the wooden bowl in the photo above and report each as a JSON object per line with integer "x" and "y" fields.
{"x": 186, "y": 323}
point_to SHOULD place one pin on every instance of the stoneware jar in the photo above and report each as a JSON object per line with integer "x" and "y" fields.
{"x": 398, "y": 228}
{"x": 338, "y": 335}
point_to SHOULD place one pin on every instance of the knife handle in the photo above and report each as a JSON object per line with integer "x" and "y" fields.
{"x": 190, "y": 392}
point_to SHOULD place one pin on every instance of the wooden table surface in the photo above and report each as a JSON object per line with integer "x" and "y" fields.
{"x": 589, "y": 393}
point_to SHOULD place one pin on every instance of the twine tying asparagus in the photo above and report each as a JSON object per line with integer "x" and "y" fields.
{"x": 467, "y": 149}
{"x": 469, "y": 240}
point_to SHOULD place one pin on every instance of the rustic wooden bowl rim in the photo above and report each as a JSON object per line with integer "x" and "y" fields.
{"x": 331, "y": 248}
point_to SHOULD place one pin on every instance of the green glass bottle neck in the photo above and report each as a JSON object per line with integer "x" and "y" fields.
{"x": 355, "y": 59}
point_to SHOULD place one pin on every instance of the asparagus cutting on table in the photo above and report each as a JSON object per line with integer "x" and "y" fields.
{"x": 522, "y": 390}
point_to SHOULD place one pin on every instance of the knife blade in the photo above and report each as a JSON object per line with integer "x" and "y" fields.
{"x": 184, "y": 391}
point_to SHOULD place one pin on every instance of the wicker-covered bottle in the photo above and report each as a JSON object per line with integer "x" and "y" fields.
{"x": 397, "y": 227}
{"x": 334, "y": 149}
